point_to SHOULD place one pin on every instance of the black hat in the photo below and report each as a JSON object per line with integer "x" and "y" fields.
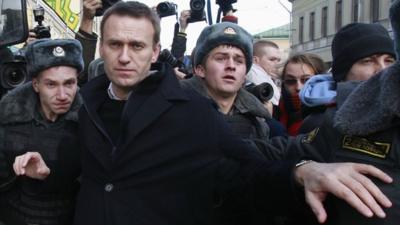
{"x": 356, "y": 41}
{"x": 45, "y": 53}
{"x": 224, "y": 33}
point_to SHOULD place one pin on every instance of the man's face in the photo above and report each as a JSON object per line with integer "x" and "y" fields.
{"x": 269, "y": 60}
{"x": 369, "y": 66}
{"x": 296, "y": 76}
{"x": 224, "y": 71}
{"x": 128, "y": 50}
{"x": 56, "y": 88}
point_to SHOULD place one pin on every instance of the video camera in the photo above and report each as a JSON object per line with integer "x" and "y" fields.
{"x": 226, "y": 5}
{"x": 40, "y": 30}
{"x": 197, "y": 11}
{"x": 13, "y": 73}
{"x": 264, "y": 91}
{"x": 167, "y": 57}
{"x": 165, "y": 9}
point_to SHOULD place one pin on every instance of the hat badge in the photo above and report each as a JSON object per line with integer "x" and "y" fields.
{"x": 58, "y": 51}
{"x": 229, "y": 30}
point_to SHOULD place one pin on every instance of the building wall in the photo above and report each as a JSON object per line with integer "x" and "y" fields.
{"x": 321, "y": 45}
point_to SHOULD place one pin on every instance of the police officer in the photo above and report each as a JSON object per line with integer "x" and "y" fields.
{"x": 365, "y": 128}
{"x": 39, "y": 157}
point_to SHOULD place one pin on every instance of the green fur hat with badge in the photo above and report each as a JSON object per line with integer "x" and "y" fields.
{"x": 224, "y": 33}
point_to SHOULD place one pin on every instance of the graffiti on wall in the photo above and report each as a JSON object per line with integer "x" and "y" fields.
{"x": 65, "y": 10}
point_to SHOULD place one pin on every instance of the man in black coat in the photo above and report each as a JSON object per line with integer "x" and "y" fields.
{"x": 154, "y": 153}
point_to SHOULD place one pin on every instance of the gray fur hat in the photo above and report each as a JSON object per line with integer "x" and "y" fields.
{"x": 45, "y": 53}
{"x": 224, "y": 33}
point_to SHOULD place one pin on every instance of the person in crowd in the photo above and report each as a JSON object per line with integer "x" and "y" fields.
{"x": 178, "y": 48}
{"x": 296, "y": 71}
{"x": 86, "y": 36}
{"x": 364, "y": 127}
{"x": 154, "y": 153}
{"x": 266, "y": 59}
{"x": 352, "y": 61}
{"x": 39, "y": 151}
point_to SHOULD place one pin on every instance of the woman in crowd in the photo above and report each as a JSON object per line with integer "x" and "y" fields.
{"x": 296, "y": 71}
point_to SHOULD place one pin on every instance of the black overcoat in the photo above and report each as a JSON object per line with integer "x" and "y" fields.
{"x": 174, "y": 161}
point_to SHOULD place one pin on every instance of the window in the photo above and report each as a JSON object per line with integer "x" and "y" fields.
{"x": 355, "y": 11}
{"x": 312, "y": 26}
{"x": 301, "y": 29}
{"x": 374, "y": 10}
{"x": 338, "y": 19}
{"x": 324, "y": 22}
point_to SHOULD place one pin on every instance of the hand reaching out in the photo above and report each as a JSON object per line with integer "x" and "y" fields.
{"x": 347, "y": 181}
{"x": 31, "y": 164}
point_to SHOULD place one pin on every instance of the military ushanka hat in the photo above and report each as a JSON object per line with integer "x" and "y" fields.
{"x": 45, "y": 53}
{"x": 225, "y": 33}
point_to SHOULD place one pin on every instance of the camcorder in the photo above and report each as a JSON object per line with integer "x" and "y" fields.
{"x": 13, "y": 73}
{"x": 40, "y": 30}
{"x": 105, "y": 5}
{"x": 167, "y": 57}
{"x": 165, "y": 9}
{"x": 264, "y": 91}
{"x": 226, "y": 5}
{"x": 197, "y": 12}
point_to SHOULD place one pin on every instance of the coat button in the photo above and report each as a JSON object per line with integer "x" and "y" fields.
{"x": 108, "y": 187}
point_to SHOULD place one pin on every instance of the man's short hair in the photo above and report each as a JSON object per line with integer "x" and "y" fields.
{"x": 260, "y": 44}
{"x": 136, "y": 10}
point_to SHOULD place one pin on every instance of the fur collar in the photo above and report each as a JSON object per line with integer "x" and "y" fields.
{"x": 373, "y": 106}
{"x": 20, "y": 105}
{"x": 245, "y": 102}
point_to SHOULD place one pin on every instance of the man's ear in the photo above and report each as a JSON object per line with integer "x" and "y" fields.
{"x": 35, "y": 84}
{"x": 256, "y": 60}
{"x": 200, "y": 71}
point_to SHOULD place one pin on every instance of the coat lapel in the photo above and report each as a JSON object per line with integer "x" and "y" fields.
{"x": 94, "y": 96}
{"x": 151, "y": 108}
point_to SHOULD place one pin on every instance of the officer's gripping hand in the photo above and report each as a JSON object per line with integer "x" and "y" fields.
{"x": 31, "y": 164}
{"x": 347, "y": 181}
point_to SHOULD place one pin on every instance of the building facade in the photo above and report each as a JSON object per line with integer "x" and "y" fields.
{"x": 315, "y": 22}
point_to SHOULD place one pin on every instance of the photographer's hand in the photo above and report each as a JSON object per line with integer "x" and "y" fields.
{"x": 31, "y": 37}
{"x": 89, "y": 11}
{"x": 183, "y": 24}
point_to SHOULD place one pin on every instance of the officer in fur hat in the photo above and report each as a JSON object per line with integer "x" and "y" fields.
{"x": 39, "y": 157}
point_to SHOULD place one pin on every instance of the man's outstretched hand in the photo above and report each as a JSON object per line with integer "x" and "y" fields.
{"x": 347, "y": 181}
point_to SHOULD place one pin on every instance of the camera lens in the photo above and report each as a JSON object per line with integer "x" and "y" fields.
{"x": 15, "y": 77}
{"x": 197, "y": 5}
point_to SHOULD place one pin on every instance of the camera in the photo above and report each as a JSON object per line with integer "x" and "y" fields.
{"x": 105, "y": 5}
{"x": 264, "y": 91}
{"x": 166, "y": 9}
{"x": 40, "y": 30}
{"x": 226, "y": 5}
{"x": 197, "y": 11}
{"x": 13, "y": 74}
{"x": 167, "y": 57}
